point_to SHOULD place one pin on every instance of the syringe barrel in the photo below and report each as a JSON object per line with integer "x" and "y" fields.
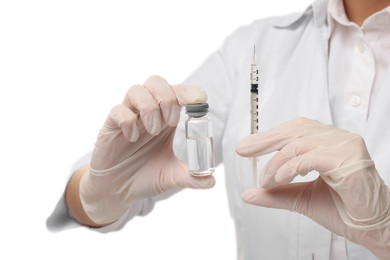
{"x": 254, "y": 112}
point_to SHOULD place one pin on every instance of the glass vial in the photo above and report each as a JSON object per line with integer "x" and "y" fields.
{"x": 199, "y": 134}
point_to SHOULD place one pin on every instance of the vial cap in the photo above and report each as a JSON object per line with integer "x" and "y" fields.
{"x": 197, "y": 110}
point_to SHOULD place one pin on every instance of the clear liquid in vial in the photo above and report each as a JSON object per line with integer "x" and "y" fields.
{"x": 200, "y": 156}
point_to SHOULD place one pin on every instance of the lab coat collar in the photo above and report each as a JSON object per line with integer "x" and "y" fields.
{"x": 318, "y": 9}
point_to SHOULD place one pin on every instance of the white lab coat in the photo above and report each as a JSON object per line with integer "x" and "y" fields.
{"x": 292, "y": 54}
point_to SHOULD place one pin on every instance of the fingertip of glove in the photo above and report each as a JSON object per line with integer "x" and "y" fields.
{"x": 248, "y": 196}
{"x": 188, "y": 94}
{"x": 239, "y": 149}
{"x": 206, "y": 182}
{"x": 173, "y": 116}
{"x": 245, "y": 146}
{"x": 131, "y": 133}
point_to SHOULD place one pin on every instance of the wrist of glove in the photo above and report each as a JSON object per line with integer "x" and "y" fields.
{"x": 359, "y": 209}
{"x": 366, "y": 215}
{"x": 104, "y": 208}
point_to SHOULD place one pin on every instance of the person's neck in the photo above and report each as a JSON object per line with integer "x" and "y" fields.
{"x": 359, "y": 10}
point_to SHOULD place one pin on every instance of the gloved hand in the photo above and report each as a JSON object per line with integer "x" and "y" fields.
{"x": 133, "y": 157}
{"x": 348, "y": 198}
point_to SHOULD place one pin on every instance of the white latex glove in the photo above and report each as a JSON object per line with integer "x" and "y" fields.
{"x": 133, "y": 157}
{"x": 349, "y": 198}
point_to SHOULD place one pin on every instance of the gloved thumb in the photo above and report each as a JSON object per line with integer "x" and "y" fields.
{"x": 290, "y": 197}
{"x": 312, "y": 199}
{"x": 188, "y": 94}
{"x": 204, "y": 182}
{"x": 196, "y": 182}
{"x": 180, "y": 178}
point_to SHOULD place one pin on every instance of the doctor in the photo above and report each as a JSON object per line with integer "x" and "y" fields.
{"x": 324, "y": 141}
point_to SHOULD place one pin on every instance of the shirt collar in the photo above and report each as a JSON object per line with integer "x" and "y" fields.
{"x": 336, "y": 13}
{"x": 378, "y": 20}
{"x": 318, "y": 9}
{"x": 327, "y": 11}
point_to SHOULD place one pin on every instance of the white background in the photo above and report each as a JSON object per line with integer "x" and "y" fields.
{"x": 63, "y": 65}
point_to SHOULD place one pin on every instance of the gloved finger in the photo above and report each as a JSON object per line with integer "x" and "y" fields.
{"x": 276, "y": 138}
{"x": 165, "y": 97}
{"x": 180, "y": 178}
{"x": 188, "y": 94}
{"x": 186, "y": 180}
{"x": 280, "y": 197}
{"x": 297, "y": 197}
{"x": 141, "y": 100}
{"x": 305, "y": 155}
{"x": 322, "y": 160}
{"x": 205, "y": 182}
{"x": 312, "y": 199}
{"x": 287, "y": 158}
{"x": 292, "y": 168}
{"x": 267, "y": 178}
{"x": 121, "y": 117}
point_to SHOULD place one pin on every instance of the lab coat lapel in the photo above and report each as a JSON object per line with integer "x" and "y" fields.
{"x": 303, "y": 94}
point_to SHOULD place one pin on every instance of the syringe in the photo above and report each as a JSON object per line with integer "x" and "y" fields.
{"x": 254, "y": 77}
